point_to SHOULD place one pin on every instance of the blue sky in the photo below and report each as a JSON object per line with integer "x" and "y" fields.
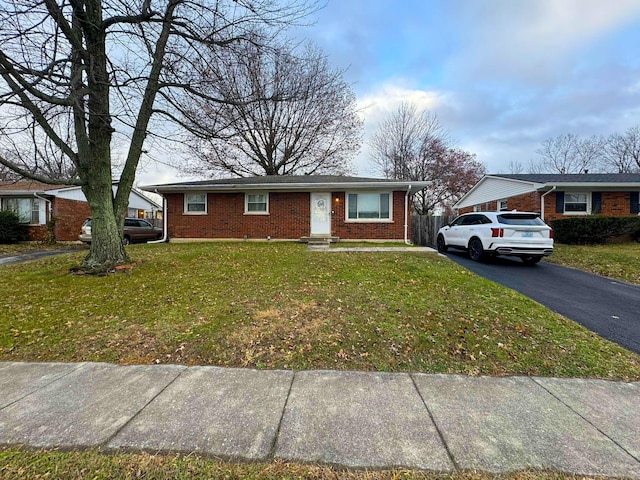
{"x": 501, "y": 75}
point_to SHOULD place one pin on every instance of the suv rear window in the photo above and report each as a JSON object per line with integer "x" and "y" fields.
{"x": 520, "y": 219}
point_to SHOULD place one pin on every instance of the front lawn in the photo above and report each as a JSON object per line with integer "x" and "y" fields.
{"x": 278, "y": 305}
{"x": 619, "y": 261}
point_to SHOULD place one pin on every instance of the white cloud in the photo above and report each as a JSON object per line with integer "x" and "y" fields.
{"x": 530, "y": 40}
{"x": 383, "y": 101}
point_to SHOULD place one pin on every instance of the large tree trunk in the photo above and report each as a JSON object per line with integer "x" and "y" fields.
{"x": 94, "y": 151}
{"x": 106, "y": 249}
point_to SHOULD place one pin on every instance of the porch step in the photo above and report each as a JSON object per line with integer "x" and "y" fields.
{"x": 319, "y": 240}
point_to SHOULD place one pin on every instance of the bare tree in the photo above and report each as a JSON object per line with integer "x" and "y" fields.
{"x": 298, "y": 116}
{"x": 402, "y": 138}
{"x": 622, "y": 152}
{"x": 568, "y": 153}
{"x": 79, "y": 73}
{"x": 516, "y": 167}
{"x": 412, "y": 145}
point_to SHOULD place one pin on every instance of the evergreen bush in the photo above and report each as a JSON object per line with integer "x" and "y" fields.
{"x": 11, "y": 230}
{"x": 594, "y": 230}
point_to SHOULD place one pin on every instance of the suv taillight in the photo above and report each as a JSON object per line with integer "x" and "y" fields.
{"x": 497, "y": 232}
{"x": 551, "y": 233}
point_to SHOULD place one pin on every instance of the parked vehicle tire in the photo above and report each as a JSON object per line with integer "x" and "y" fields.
{"x": 476, "y": 250}
{"x": 532, "y": 260}
{"x": 442, "y": 246}
{"x": 126, "y": 240}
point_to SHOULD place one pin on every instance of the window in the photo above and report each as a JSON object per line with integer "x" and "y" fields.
{"x": 520, "y": 219}
{"x": 369, "y": 206}
{"x": 195, "y": 203}
{"x": 502, "y": 205}
{"x": 576, "y": 202}
{"x": 27, "y": 209}
{"x": 256, "y": 203}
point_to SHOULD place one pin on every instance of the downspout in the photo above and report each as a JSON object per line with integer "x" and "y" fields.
{"x": 406, "y": 216}
{"x": 165, "y": 233}
{"x": 542, "y": 201}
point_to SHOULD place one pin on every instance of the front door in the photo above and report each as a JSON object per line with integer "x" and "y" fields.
{"x": 320, "y": 213}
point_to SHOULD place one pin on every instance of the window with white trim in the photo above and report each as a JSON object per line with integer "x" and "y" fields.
{"x": 502, "y": 205}
{"x": 576, "y": 202}
{"x": 256, "y": 203}
{"x": 369, "y": 206}
{"x": 195, "y": 203}
{"x": 27, "y": 209}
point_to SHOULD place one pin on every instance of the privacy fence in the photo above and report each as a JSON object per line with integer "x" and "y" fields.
{"x": 424, "y": 228}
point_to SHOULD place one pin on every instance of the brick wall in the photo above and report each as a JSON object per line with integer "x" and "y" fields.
{"x": 368, "y": 231}
{"x": 69, "y": 216}
{"x": 614, "y": 204}
{"x": 37, "y": 233}
{"x": 288, "y": 218}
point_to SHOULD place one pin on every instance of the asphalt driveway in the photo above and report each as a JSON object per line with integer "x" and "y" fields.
{"x": 608, "y": 307}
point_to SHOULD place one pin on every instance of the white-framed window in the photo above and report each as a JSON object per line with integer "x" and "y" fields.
{"x": 256, "y": 203}
{"x": 576, "y": 203}
{"x": 370, "y": 207}
{"x": 27, "y": 209}
{"x": 195, "y": 203}
{"x": 502, "y": 205}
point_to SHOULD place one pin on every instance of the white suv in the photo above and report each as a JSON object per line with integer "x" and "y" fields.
{"x": 518, "y": 234}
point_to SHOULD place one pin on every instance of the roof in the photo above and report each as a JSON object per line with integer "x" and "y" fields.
{"x": 494, "y": 187}
{"x": 555, "y": 178}
{"x": 27, "y": 186}
{"x": 287, "y": 182}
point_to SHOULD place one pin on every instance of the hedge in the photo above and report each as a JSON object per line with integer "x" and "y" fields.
{"x": 593, "y": 230}
{"x": 10, "y": 229}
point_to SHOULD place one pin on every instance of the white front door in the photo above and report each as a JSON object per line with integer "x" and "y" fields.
{"x": 320, "y": 213}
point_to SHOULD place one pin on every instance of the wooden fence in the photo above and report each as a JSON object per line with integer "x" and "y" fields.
{"x": 424, "y": 228}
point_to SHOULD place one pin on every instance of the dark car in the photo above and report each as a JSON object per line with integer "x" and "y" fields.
{"x": 136, "y": 230}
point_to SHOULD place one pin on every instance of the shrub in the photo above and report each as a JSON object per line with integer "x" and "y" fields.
{"x": 10, "y": 229}
{"x": 594, "y": 230}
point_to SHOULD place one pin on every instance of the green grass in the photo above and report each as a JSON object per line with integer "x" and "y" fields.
{"x": 619, "y": 261}
{"x": 277, "y": 305}
{"x": 95, "y": 465}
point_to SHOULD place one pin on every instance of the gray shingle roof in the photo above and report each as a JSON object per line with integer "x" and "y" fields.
{"x": 575, "y": 178}
{"x": 278, "y": 179}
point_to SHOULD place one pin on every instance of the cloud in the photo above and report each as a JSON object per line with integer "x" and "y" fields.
{"x": 532, "y": 41}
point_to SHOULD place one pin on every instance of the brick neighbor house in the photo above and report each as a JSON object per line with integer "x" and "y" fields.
{"x": 60, "y": 210}
{"x": 288, "y": 208}
{"x": 556, "y": 196}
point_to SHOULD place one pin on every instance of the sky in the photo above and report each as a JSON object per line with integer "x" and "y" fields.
{"x": 501, "y": 75}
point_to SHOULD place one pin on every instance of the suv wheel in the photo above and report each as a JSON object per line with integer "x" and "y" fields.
{"x": 126, "y": 240}
{"x": 442, "y": 247}
{"x": 476, "y": 250}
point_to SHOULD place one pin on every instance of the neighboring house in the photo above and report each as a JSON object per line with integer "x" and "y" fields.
{"x": 37, "y": 204}
{"x": 556, "y": 196}
{"x": 288, "y": 207}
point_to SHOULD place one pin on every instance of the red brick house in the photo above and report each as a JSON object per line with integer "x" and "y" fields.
{"x": 37, "y": 204}
{"x": 288, "y": 208}
{"x": 556, "y": 196}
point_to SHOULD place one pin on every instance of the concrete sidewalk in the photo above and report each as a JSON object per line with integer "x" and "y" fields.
{"x": 443, "y": 423}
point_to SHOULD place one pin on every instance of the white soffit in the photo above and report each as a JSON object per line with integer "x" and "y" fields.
{"x": 490, "y": 189}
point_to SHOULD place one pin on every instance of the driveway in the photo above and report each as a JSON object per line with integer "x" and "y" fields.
{"x": 9, "y": 259}
{"x": 608, "y": 307}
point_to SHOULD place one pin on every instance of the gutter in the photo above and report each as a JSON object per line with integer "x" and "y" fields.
{"x": 542, "y": 201}
{"x": 406, "y": 216}
{"x": 165, "y": 233}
